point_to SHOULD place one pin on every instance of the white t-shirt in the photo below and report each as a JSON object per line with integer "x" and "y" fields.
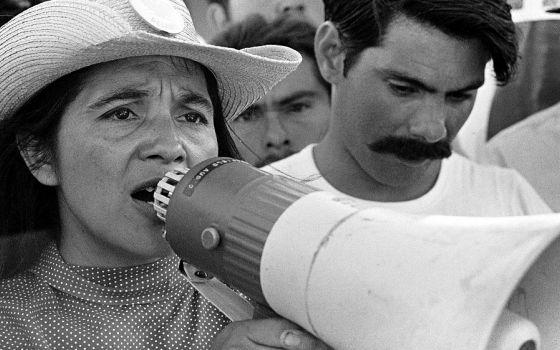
{"x": 532, "y": 147}
{"x": 463, "y": 188}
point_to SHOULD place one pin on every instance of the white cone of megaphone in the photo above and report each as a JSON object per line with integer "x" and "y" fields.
{"x": 369, "y": 278}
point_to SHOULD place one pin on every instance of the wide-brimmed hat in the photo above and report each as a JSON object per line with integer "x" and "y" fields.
{"x": 58, "y": 37}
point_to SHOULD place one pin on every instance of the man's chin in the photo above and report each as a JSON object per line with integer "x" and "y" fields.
{"x": 271, "y": 159}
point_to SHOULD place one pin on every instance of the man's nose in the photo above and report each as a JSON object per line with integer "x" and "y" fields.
{"x": 429, "y": 124}
{"x": 276, "y": 137}
{"x": 296, "y": 7}
{"x": 162, "y": 142}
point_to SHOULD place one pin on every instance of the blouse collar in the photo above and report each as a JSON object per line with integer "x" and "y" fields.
{"x": 140, "y": 284}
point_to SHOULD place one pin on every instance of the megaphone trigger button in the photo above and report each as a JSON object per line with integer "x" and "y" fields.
{"x": 201, "y": 274}
{"x": 210, "y": 238}
{"x": 194, "y": 274}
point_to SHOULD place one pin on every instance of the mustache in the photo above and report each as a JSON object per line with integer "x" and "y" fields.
{"x": 411, "y": 149}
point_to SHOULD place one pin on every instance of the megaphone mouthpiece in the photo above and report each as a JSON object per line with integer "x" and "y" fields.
{"x": 164, "y": 191}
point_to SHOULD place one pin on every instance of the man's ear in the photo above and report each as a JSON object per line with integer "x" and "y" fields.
{"x": 43, "y": 171}
{"x": 216, "y": 16}
{"x": 329, "y": 52}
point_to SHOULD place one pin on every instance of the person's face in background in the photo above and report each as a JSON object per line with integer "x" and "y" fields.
{"x": 311, "y": 10}
{"x": 10, "y": 8}
{"x": 19, "y": 5}
{"x": 134, "y": 120}
{"x": 210, "y": 18}
{"x": 419, "y": 85}
{"x": 294, "y": 114}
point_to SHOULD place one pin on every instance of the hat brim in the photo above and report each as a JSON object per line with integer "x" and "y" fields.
{"x": 243, "y": 76}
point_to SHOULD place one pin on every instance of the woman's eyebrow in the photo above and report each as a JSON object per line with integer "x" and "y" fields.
{"x": 126, "y": 93}
{"x": 188, "y": 97}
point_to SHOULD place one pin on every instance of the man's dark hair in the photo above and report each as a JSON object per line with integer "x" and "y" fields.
{"x": 363, "y": 23}
{"x": 255, "y": 30}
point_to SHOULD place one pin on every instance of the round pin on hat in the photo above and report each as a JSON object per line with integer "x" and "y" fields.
{"x": 159, "y": 14}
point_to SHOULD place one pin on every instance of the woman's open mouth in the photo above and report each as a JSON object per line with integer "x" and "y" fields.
{"x": 145, "y": 194}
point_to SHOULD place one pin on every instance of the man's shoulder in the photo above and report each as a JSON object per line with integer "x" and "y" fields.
{"x": 461, "y": 167}
{"x": 489, "y": 184}
{"x": 527, "y": 128}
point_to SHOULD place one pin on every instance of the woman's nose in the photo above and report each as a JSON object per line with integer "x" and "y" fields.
{"x": 163, "y": 143}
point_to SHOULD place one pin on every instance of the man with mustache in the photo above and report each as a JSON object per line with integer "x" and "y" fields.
{"x": 404, "y": 78}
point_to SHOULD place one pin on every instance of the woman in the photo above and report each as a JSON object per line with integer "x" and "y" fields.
{"x": 98, "y": 100}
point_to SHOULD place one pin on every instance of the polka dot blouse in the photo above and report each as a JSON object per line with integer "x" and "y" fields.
{"x": 58, "y": 306}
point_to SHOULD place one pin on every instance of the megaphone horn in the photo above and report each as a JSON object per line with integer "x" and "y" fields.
{"x": 369, "y": 278}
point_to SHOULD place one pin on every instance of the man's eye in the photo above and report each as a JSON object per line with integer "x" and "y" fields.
{"x": 460, "y": 97}
{"x": 403, "y": 90}
{"x": 248, "y": 115}
{"x": 194, "y": 117}
{"x": 297, "y": 107}
{"x": 119, "y": 114}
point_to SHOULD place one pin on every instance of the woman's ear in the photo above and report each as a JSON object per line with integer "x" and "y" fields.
{"x": 329, "y": 52}
{"x": 42, "y": 170}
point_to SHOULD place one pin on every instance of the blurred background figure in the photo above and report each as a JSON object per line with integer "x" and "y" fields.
{"x": 532, "y": 147}
{"x": 35, "y": 241}
{"x": 518, "y": 125}
{"x": 10, "y": 8}
{"x": 295, "y": 113}
{"x": 535, "y": 86}
{"x": 212, "y": 16}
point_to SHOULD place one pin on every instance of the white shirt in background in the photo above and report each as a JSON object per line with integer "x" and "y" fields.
{"x": 463, "y": 188}
{"x": 532, "y": 147}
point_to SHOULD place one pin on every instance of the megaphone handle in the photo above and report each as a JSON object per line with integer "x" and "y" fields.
{"x": 225, "y": 299}
{"x": 263, "y": 311}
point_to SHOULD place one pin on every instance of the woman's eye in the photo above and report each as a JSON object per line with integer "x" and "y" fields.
{"x": 196, "y": 118}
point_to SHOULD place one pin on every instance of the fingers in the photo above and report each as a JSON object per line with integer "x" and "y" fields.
{"x": 293, "y": 339}
{"x": 267, "y": 334}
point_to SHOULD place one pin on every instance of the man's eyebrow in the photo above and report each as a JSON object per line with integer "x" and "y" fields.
{"x": 127, "y": 93}
{"x": 415, "y": 82}
{"x": 294, "y": 97}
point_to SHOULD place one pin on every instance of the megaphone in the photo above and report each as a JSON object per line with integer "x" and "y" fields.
{"x": 367, "y": 278}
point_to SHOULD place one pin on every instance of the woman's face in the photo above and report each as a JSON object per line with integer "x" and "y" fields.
{"x": 134, "y": 120}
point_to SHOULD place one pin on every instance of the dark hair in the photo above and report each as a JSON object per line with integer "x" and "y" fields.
{"x": 255, "y": 30}
{"x": 363, "y": 23}
{"x": 28, "y": 205}
{"x": 9, "y": 9}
